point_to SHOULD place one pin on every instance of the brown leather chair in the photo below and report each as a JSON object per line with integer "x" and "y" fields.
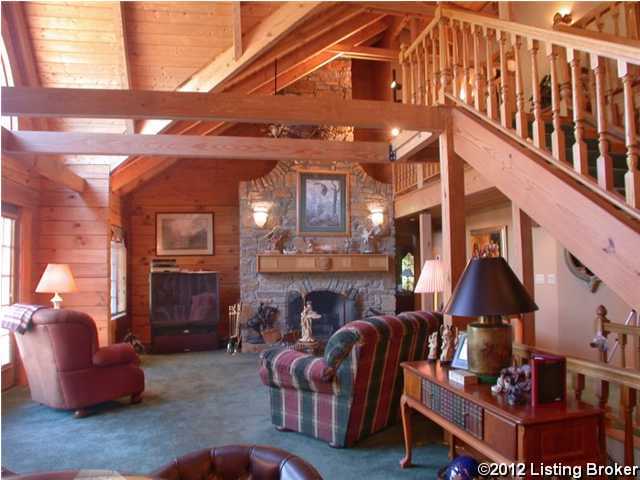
{"x": 67, "y": 370}
{"x": 234, "y": 462}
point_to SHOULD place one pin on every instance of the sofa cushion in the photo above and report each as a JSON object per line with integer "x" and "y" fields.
{"x": 287, "y": 368}
{"x": 338, "y": 347}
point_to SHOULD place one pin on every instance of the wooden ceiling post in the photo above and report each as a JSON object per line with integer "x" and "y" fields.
{"x": 120, "y": 23}
{"x": 236, "y": 27}
{"x": 524, "y": 326}
{"x": 425, "y": 233}
{"x": 454, "y": 252}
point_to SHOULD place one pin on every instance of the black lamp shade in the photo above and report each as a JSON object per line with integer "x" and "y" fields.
{"x": 489, "y": 287}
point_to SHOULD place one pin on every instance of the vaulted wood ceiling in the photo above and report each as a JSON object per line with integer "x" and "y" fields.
{"x": 192, "y": 46}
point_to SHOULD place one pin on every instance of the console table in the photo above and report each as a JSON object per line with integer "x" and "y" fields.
{"x": 572, "y": 434}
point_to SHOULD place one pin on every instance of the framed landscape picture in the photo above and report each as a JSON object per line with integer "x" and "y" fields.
{"x": 323, "y": 203}
{"x": 184, "y": 234}
{"x": 489, "y": 242}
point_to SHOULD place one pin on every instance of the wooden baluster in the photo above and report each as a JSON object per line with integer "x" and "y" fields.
{"x": 466, "y": 66}
{"x": 622, "y": 341}
{"x": 419, "y": 71}
{"x": 492, "y": 100}
{"x": 628, "y": 403}
{"x": 632, "y": 177}
{"x": 445, "y": 65}
{"x": 412, "y": 79}
{"x": 578, "y": 386}
{"x": 564, "y": 80}
{"x": 478, "y": 84}
{"x": 427, "y": 79}
{"x": 457, "y": 68}
{"x": 405, "y": 74}
{"x": 521, "y": 114}
{"x": 601, "y": 328}
{"x": 505, "y": 97}
{"x": 435, "y": 79}
{"x": 557, "y": 137}
{"x": 580, "y": 159}
{"x": 605, "y": 162}
{"x": 632, "y": 19}
{"x": 603, "y": 394}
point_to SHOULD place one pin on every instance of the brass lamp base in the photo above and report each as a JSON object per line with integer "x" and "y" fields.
{"x": 489, "y": 346}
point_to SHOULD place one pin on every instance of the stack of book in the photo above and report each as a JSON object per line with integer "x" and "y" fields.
{"x": 164, "y": 265}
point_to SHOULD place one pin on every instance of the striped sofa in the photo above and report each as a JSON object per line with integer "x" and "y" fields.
{"x": 354, "y": 389}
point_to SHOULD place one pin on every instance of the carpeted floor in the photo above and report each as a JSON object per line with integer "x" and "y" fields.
{"x": 192, "y": 401}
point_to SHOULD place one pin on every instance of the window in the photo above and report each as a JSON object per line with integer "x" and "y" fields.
{"x": 7, "y": 281}
{"x": 408, "y": 272}
{"x": 118, "y": 273}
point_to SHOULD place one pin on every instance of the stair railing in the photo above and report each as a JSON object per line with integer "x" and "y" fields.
{"x": 494, "y": 68}
{"x": 616, "y": 18}
{"x": 585, "y": 371}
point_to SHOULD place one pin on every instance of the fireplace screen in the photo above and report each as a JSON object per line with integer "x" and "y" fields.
{"x": 336, "y": 310}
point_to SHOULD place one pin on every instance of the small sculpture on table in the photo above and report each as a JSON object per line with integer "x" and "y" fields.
{"x": 307, "y": 343}
{"x": 515, "y": 384}
{"x": 433, "y": 347}
{"x": 449, "y": 337}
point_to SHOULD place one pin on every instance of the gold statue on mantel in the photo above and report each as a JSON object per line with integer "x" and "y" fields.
{"x": 307, "y": 317}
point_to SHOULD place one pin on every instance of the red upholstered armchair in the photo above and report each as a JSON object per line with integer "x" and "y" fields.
{"x": 354, "y": 389}
{"x": 67, "y": 370}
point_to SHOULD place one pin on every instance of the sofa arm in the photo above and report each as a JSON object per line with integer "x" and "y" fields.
{"x": 118, "y": 354}
{"x": 287, "y": 368}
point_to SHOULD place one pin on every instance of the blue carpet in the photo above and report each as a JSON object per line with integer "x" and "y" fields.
{"x": 192, "y": 401}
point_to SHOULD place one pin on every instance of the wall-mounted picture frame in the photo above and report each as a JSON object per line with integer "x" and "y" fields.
{"x": 489, "y": 242}
{"x": 323, "y": 203}
{"x": 184, "y": 234}
{"x": 460, "y": 357}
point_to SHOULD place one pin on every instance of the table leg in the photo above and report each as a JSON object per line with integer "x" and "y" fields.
{"x": 406, "y": 412}
{"x": 452, "y": 446}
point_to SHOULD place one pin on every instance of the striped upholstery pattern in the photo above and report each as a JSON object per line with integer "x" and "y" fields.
{"x": 362, "y": 395}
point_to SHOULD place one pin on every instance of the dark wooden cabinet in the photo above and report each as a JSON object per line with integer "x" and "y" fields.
{"x": 184, "y": 311}
{"x": 571, "y": 433}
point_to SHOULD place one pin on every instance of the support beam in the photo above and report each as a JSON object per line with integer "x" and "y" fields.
{"x": 402, "y": 9}
{"x": 426, "y": 253}
{"x": 233, "y": 107}
{"x": 137, "y": 173}
{"x": 411, "y": 142}
{"x": 236, "y": 19}
{"x": 375, "y": 54}
{"x": 454, "y": 250}
{"x": 191, "y": 146}
{"x": 120, "y": 23}
{"x": 51, "y": 169}
{"x": 523, "y": 266}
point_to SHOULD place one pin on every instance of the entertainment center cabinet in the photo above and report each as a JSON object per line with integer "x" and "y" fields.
{"x": 184, "y": 311}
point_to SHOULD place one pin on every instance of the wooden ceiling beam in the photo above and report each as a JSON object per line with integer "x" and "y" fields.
{"x": 232, "y": 107}
{"x": 236, "y": 28}
{"x": 139, "y": 172}
{"x": 191, "y": 146}
{"x": 366, "y": 53}
{"x": 401, "y": 9}
{"x": 120, "y": 23}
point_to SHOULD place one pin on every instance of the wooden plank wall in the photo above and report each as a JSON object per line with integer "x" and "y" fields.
{"x": 189, "y": 186}
{"x": 74, "y": 229}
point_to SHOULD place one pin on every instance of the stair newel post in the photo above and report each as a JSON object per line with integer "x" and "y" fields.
{"x": 580, "y": 159}
{"x": 492, "y": 100}
{"x": 445, "y": 64}
{"x": 478, "y": 84}
{"x": 632, "y": 177}
{"x": 405, "y": 74}
{"x": 466, "y": 65}
{"x": 604, "y": 163}
{"x": 521, "y": 114}
{"x": 427, "y": 79}
{"x": 557, "y": 137}
{"x": 436, "y": 71}
{"x": 505, "y": 101}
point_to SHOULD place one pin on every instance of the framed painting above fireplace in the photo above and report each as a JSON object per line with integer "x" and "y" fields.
{"x": 323, "y": 203}
{"x": 184, "y": 234}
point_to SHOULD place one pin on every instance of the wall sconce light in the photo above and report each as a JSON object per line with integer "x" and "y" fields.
{"x": 377, "y": 216}
{"x": 395, "y": 131}
{"x": 562, "y": 16}
{"x": 260, "y": 215}
{"x": 395, "y": 85}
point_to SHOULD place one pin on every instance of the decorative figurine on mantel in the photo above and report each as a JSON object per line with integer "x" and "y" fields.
{"x": 449, "y": 336}
{"x": 433, "y": 347}
{"x": 276, "y": 238}
{"x": 368, "y": 238}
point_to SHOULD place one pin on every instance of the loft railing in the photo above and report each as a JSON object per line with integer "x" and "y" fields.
{"x": 624, "y": 380}
{"x": 409, "y": 176}
{"x": 616, "y": 18}
{"x": 495, "y": 67}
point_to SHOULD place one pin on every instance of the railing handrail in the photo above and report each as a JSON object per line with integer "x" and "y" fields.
{"x": 626, "y": 53}
{"x": 592, "y": 369}
{"x": 421, "y": 36}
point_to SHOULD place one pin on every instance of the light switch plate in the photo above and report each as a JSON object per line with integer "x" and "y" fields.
{"x": 551, "y": 279}
{"x": 539, "y": 279}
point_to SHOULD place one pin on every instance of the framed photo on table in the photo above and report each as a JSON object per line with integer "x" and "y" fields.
{"x": 460, "y": 357}
{"x": 323, "y": 203}
{"x": 184, "y": 234}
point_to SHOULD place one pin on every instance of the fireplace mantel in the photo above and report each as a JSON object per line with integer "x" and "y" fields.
{"x": 322, "y": 263}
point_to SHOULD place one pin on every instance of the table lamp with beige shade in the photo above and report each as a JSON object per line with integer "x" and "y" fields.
{"x": 431, "y": 280}
{"x": 56, "y": 279}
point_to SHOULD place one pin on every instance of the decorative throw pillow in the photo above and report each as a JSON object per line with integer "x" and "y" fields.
{"x": 338, "y": 347}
